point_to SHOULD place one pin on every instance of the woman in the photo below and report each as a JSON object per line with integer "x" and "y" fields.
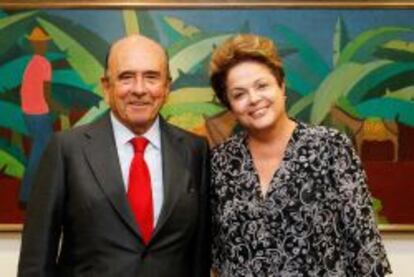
{"x": 288, "y": 199}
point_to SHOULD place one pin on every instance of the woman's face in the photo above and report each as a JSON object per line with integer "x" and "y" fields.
{"x": 254, "y": 95}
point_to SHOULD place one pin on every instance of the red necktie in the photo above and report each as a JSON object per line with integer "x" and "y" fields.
{"x": 139, "y": 189}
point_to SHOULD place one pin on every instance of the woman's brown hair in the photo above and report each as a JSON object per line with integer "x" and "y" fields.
{"x": 238, "y": 49}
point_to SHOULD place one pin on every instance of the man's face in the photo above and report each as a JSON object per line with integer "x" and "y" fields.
{"x": 40, "y": 47}
{"x": 137, "y": 83}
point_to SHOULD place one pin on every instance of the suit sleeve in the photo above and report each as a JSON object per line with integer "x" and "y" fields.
{"x": 363, "y": 246}
{"x": 42, "y": 229}
{"x": 202, "y": 241}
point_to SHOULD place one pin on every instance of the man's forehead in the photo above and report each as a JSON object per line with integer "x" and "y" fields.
{"x": 136, "y": 63}
{"x": 137, "y": 45}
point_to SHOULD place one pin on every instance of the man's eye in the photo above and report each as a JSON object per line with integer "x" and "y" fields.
{"x": 152, "y": 78}
{"x": 125, "y": 77}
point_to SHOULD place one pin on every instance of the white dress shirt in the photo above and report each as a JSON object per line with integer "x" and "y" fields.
{"x": 152, "y": 156}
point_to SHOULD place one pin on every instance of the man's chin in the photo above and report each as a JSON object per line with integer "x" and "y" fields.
{"x": 139, "y": 123}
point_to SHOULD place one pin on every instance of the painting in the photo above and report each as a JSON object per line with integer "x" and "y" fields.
{"x": 349, "y": 68}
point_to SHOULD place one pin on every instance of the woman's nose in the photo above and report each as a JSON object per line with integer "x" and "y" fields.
{"x": 254, "y": 97}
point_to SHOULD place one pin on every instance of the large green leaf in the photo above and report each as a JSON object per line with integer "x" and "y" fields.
{"x": 12, "y": 72}
{"x": 377, "y": 73}
{"x": 12, "y": 19}
{"x": 181, "y": 27}
{"x": 77, "y": 55}
{"x": 12, "y": 27}
{"x": 186, "y": 121}
{"x": 207, "y": 109}
{"x": 11, "y": 165}
{"x": 11, "y": 96}
{"x": 172, "y": 35}
{"x": 69, "y": 77}
{"x": 74, "y": 97}
{"x": 397, "y": 50}
{"x": 14, "y": 151}
{"x": 354, "y": 81}
{"x": 93, "y": 113}
{"x": 192, "y": 95}
{"x": 298, "y": 82}
{"x": 346, "y": 105}
{"x": 198, "y": 76}
{"x": 406, "y": 93}
{"x": 130, "y": 22}
{"x": 388, "y": 109}
{"x": 340, "y": 39}
{"x": 94, "y": 44}
{"x": 11, "y": 117}
{"x": 147, "y": 25}
{"x": 335, "y": 85}
{"x": 301, "y": 105}
{"x": 309, "y": 56}
{"x": 185, "y": 80}
{"x": 190, "y": 52}
{"x": 361, "y": 48}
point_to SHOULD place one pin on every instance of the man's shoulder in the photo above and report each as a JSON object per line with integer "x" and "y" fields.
{"x": 80, "y": 131}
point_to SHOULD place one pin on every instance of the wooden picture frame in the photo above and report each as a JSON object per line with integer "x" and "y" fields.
{"x": 222, "y": 6}
{"x": 108, "y": 4}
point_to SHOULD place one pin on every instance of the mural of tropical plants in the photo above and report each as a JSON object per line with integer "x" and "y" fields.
{"x": 353, "y": 70}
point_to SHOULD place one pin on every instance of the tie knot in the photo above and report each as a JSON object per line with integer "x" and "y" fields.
{"x": 139, "y": 144}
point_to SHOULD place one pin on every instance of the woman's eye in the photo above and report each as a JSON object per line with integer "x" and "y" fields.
{"x": 262, "y": 86}
{"x": 238, "y": 95}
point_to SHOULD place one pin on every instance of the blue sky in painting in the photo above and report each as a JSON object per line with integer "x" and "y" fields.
{"x": 314, "y": 25}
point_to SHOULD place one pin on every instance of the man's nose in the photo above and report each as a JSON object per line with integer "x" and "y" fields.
{"x": 139, "y": 85}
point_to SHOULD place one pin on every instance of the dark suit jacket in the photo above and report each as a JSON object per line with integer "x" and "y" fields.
{"x": 79, "y": 198}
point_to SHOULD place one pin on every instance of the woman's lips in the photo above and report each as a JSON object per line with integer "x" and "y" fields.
{"x": 258, "y": 112}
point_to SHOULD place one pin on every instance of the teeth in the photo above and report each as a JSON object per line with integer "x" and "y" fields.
{"x": 258, "y": 112}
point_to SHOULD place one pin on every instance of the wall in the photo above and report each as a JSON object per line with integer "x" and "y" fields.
{"x": 400, "y": 248}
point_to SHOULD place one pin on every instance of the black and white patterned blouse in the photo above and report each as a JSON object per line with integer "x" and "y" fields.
{"x": 316, "y": 219}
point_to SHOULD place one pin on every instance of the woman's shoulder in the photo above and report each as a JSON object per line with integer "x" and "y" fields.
{"x": 231, "y": 145}
{"x": 321, "y": 133}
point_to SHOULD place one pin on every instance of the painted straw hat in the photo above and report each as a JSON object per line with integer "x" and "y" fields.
{"x": 38, "y": 35}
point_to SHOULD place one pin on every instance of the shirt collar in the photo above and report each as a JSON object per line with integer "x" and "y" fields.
{"x": 123, "y": 135}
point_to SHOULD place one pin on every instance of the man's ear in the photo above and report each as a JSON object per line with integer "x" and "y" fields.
{"x": 168, "y": 86}
{"x": 105, "y": 83}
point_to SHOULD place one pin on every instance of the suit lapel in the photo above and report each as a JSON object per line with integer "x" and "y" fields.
{"x": 102, "y": 156}
{"x": 175, "y": 173}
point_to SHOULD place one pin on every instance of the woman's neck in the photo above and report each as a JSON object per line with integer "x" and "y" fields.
{"x": 273, "y": 135}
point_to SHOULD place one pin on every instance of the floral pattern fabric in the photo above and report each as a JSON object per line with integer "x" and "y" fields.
{"x": 315, "y": 220}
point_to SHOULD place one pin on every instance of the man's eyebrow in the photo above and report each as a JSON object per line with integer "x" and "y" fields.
{"x": 152, "y": 72}
{"x": 125, "y": 72}
{"x": 146, "y": 72}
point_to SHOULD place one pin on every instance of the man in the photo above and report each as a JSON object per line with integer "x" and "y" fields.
{"x": 84, "y": 190}
{"x": 35, "y": 94}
